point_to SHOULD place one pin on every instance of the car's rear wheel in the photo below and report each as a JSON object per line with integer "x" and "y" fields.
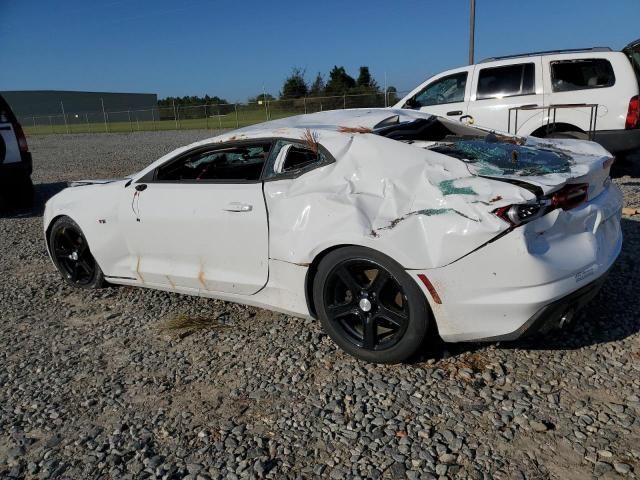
{"x": 370, "y": 306}
{"x": 72, "y": 256}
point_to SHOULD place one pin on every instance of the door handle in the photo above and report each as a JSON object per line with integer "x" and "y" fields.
{"x": 238, "y": 207}
{"x": 454, "y": 112}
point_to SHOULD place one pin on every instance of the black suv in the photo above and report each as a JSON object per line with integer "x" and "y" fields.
{"x": 16, "y": 188}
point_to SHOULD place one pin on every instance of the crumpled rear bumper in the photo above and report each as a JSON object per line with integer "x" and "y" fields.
{"x": 529, "y": 278}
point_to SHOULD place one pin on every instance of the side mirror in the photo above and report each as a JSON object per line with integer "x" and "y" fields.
{"x": 412, "y": 103}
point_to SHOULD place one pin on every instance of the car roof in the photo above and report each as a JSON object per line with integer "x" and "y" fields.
{"x": 329, "y": 121}
{"x": 547, "y": 52}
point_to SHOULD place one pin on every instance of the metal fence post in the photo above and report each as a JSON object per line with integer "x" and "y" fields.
{"x": 137, "y": 121}
{"x": 206, "y": 117}
{"x": 235, "y": 106}
{"x": 104, "y": 115}
{"x": 175, "y": 113}
{"x": 86, "y": 120}
{"x": 64, "y": 115}
{"x": 129, "y": 116}
{"x": 51, "y": 124}
{"x": 344, "y": 101}
{"x": 219, "y": 118}
{"x": 304, "y": 99}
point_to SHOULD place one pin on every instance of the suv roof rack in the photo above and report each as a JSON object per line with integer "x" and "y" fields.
{"x": 548, "y": 52}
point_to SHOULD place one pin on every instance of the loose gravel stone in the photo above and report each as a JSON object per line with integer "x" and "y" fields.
{"x": 93, "y": 386}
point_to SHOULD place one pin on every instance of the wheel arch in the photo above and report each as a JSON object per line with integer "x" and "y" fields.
{"x": 541, "y": 132}
{"x": 47, "y": 235}
{"x": 311, "y": 275}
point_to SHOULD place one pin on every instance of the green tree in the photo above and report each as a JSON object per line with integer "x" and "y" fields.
{"x": 339, "y": 81}
{"x": 365, "y": 81}
{"x": 192, "y": 100}
{"x": 318, "y": 86}
{"x": 295, "y": 86}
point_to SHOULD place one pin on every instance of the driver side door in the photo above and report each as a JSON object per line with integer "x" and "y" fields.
{"x": 199, "y": 222}
{"x": 446, "y": 95}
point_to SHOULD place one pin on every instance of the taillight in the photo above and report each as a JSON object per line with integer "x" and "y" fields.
{"x": 568, "y": 197}
{"x": 633, "y": 114}
{"x": 22, "y": 140}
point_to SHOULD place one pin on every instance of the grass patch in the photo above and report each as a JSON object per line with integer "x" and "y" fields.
{"x": 187, "y": 323}
{"x": 245, "y": 117}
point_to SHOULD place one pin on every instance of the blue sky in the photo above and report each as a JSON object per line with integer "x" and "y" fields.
{"x": 234, "y": 48}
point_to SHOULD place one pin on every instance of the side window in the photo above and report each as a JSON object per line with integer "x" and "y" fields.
{"x": 567, "y": 75}
{"x": 298, "y": 157}
{"x": 498, "y": 82}
{"x": 291, "y": 158}
{"x": 449, "y": 89}
{"x": 237, "y": 163}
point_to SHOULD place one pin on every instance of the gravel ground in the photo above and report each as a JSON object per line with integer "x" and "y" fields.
{"x": 133, "y": 383}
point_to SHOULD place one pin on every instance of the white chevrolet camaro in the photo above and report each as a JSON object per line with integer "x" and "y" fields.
{"x": 390, "y": 226}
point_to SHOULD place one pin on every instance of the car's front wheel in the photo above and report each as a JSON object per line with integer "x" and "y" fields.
{"x": 72, "y": 256}
{"x": 370, "y": 306}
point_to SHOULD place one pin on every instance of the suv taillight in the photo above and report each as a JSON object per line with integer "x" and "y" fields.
{"x": 633, "y": 114}
{"x": 22, "y": 140}
{"x": 568, "y": 197}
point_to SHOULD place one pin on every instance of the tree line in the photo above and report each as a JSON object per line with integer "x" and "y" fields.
{"x": 192, "y": 100}
{"x": 338, "y": 82}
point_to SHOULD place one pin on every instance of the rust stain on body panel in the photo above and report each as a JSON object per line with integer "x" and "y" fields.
{"x": 202, "y": 280}
{"x": 138, "y": 270}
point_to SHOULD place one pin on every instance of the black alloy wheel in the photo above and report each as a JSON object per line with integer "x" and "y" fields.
{"x": 369, "y": 305}
{"x": 71, "y": 254}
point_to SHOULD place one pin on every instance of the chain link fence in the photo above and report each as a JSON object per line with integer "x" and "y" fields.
{"x": 177, "y": 117}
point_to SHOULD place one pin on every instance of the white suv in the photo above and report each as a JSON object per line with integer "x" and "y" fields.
{"x": 587, "y": 93}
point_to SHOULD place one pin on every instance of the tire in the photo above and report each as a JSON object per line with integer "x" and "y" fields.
{"x": 71, "y": 255}
{"x": 24, "y": 193}
{"x": 370, "y": 306}
{"x": 16, "y": 193}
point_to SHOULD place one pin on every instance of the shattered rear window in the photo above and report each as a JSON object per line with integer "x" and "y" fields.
{"x": 506, "y": 158}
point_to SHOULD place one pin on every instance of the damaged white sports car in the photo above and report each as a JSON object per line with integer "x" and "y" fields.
{"x": 389, "y": 226}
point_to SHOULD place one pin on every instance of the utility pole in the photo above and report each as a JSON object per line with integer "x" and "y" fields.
{"x": 472, "y": 30}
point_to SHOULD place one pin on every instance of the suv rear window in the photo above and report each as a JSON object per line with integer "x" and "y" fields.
{"x": 498, "y": 82}
{"x": 581, "y": 74}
